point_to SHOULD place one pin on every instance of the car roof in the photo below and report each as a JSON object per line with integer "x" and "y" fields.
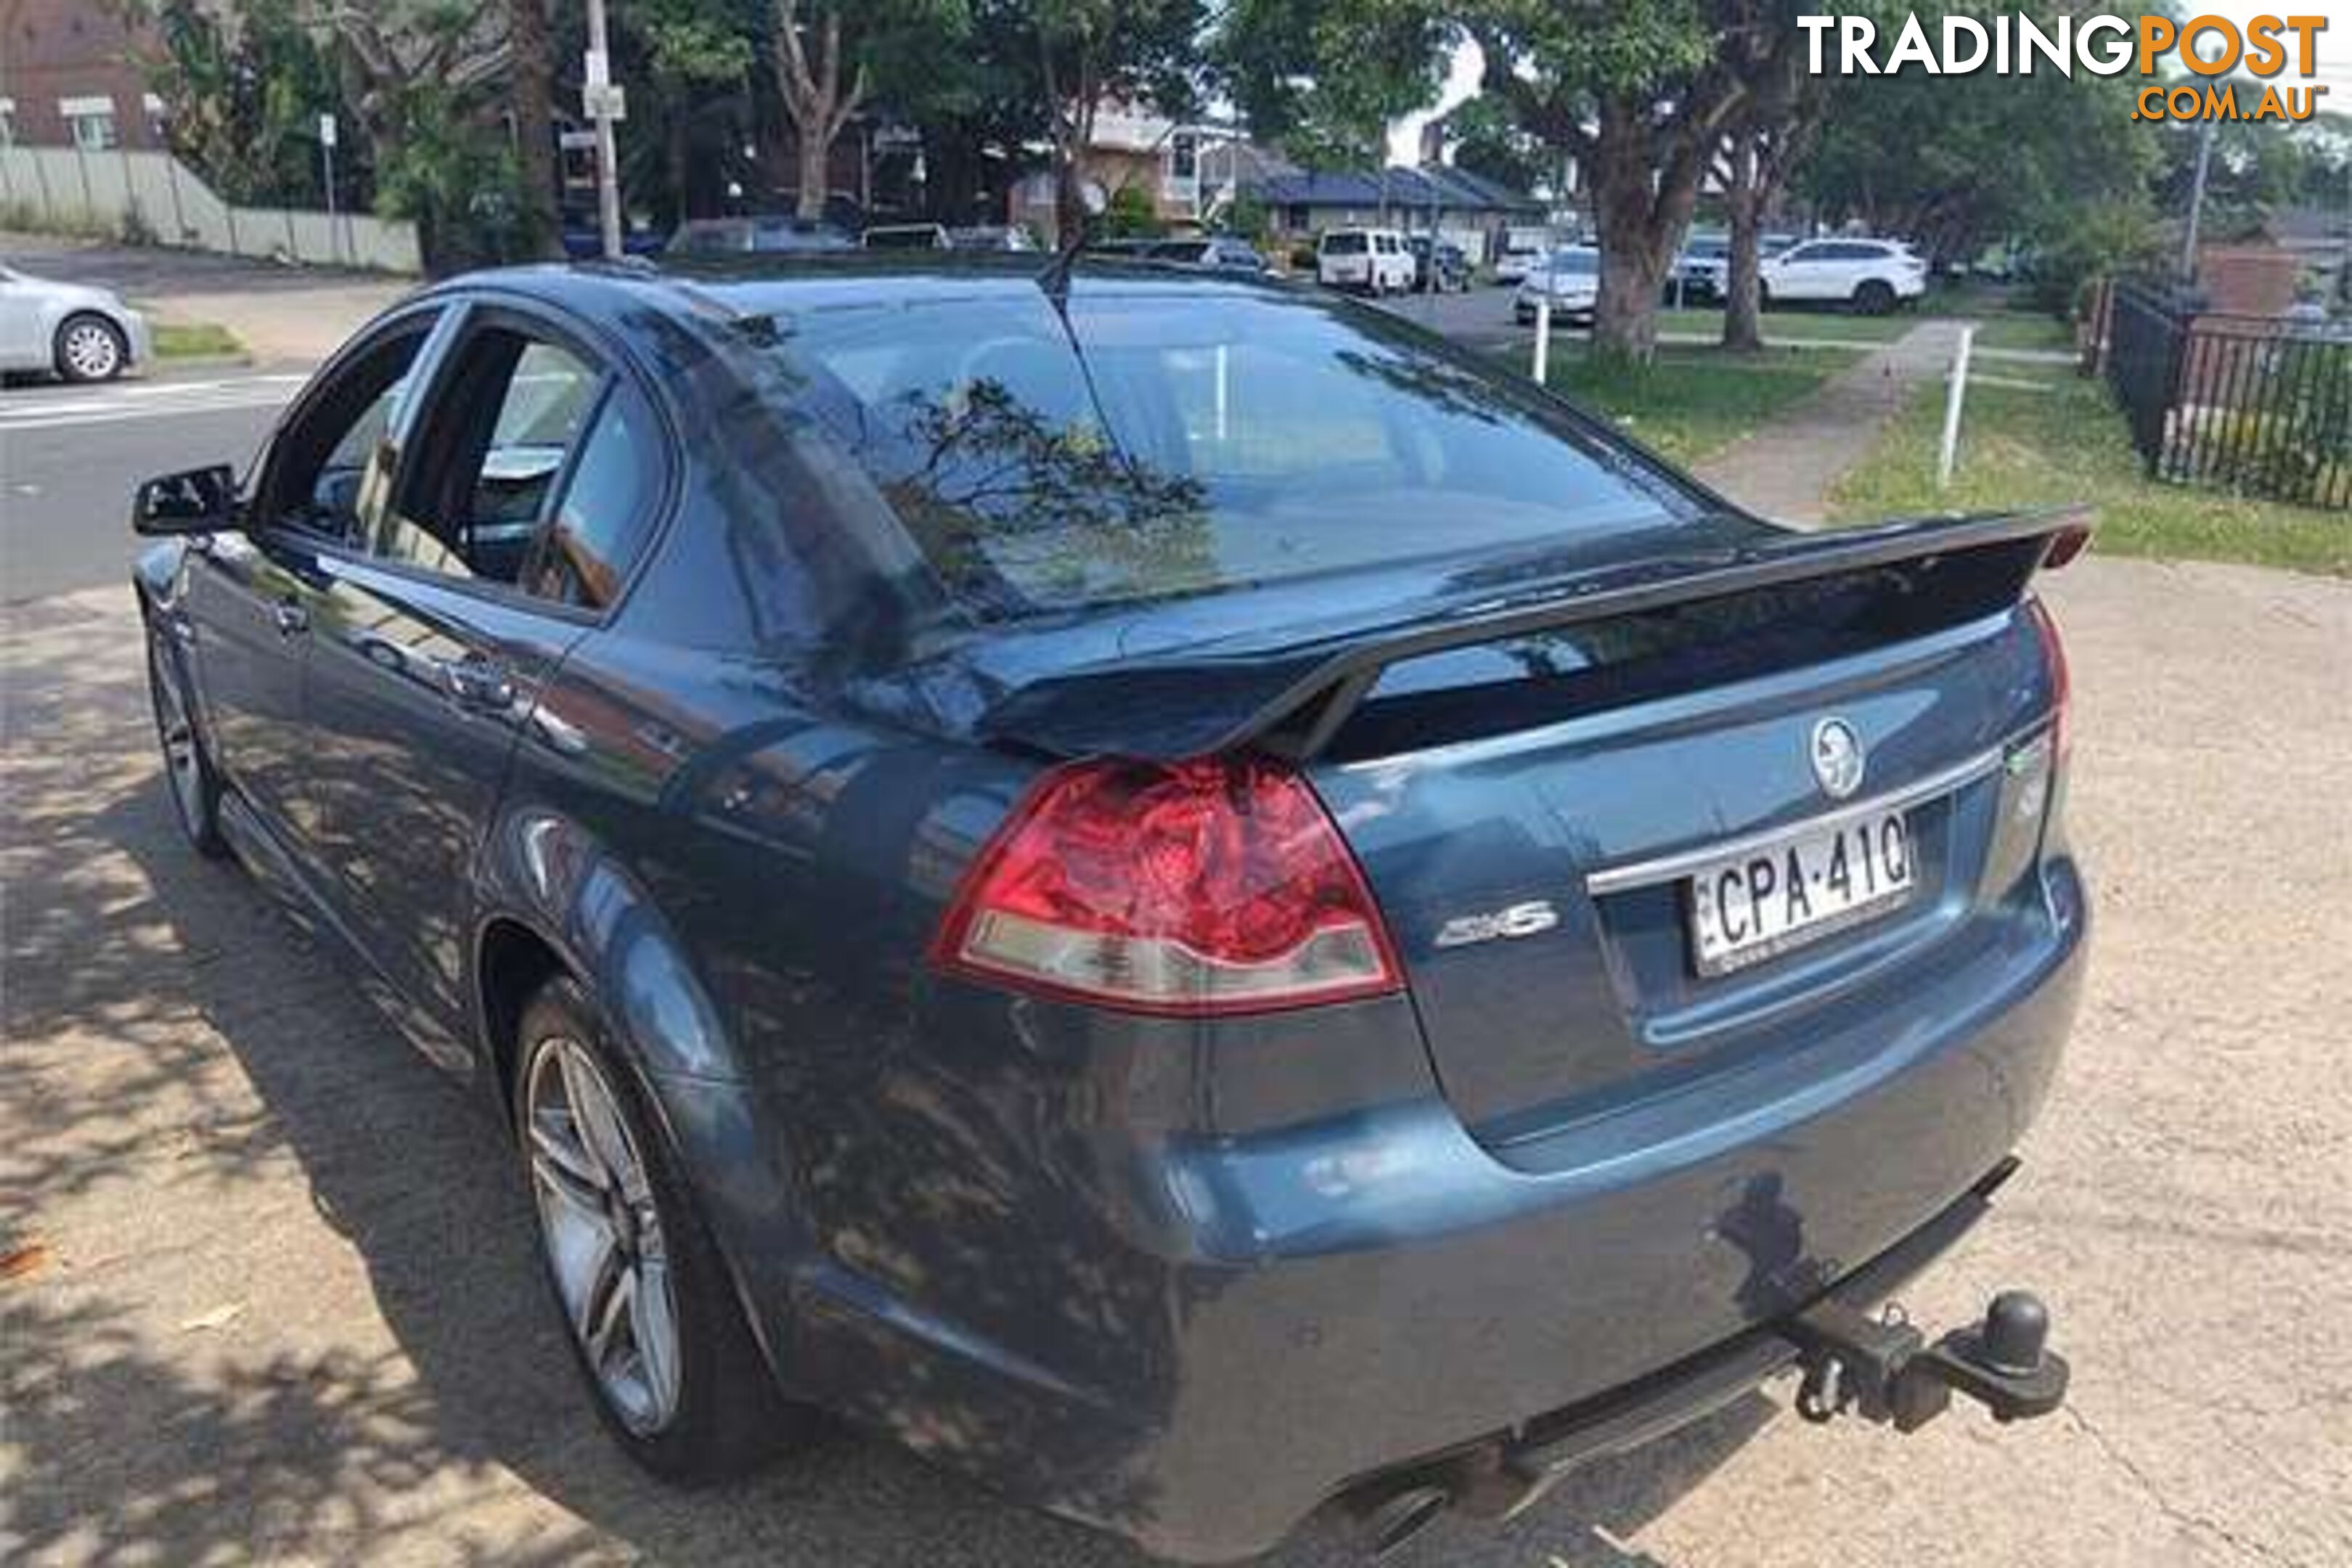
{"x": 754, "y": 283}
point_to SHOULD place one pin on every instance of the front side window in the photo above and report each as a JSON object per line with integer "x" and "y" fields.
{"x": 487, "y": 458}
{"x": 331, "y": 464}
{"x": 1134, "y": 450}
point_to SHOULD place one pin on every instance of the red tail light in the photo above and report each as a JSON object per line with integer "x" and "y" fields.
{"x": 1214, "y": 886}
{"x": 2062, "y": 681}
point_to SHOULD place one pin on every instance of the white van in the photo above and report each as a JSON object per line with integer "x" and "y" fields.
{"x": 1375, "y": 260}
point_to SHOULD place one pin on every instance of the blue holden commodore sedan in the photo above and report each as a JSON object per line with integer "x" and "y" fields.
{"x": 1190, "y": 901}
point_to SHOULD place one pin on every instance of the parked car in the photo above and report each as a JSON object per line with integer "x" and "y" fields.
{"x": 68, "y": 330}
{"x": 1521, "y": 248}
{"x": 1702, "y": 273}
{"x": 1350, "y": 934}
{"x": 583, "y": 238}
{"x": 990, "y": 237}
{"x": 765, "y": 235}
{"x": 1370, "y": 260}
{"x": 907, "y": 236}
{"x": 1215, "y": 253}
{"x": 1453, "y": 267}
{"x": 1569, "y": 277}
{"x": 1873, "y": 276}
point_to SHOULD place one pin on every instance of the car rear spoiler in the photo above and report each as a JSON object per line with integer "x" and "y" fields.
{"x": 1291, "y": 701}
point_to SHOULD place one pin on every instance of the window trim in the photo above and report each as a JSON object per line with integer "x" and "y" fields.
{"x": 467, "y": 314}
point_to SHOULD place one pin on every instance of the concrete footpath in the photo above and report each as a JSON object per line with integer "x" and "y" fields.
{"x": 267, "y": 1286}
{"x": 1787, "y": 469}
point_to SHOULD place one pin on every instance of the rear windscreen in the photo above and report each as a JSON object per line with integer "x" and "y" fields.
{"x": 1141, "y": 445}
{"x": 1343, "y": 244}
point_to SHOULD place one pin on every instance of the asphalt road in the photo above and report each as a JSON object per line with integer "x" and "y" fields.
{"x": 271, "y": 1295}
{"x": 69, "y": 457}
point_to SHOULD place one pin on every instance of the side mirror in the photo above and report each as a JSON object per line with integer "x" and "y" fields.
{"x": 196, "y": 500}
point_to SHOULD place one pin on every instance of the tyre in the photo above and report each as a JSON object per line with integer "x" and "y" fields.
{"x": 1873, "y": 297}
{"x": 650, "y": 1313}
{"x": 188, "y": 774}
{"x": 91, "y": 348}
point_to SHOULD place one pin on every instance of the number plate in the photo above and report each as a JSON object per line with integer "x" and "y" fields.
{"x": 1748, "y": 908}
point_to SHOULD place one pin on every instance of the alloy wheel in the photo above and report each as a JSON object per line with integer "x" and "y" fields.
{"x": 90, "y": 351}
{"x": 602, "y": 1231}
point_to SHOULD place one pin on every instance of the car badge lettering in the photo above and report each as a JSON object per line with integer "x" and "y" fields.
{"x": 1520, "y": 920}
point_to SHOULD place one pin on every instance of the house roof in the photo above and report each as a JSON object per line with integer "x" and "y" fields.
{"x": 1453, "y": 189}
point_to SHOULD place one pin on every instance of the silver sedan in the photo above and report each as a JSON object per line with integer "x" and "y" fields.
{"x": 76, "y": 331}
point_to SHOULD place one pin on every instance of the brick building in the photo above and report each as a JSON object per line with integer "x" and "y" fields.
{"x": 69, "y": 76}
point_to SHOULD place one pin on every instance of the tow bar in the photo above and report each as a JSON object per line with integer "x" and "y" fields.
{"x": 1882, "y": 1369}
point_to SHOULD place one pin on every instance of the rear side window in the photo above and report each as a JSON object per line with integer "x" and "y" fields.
{"x": 607, "y": 509}
{"x": 1136, "y": 451}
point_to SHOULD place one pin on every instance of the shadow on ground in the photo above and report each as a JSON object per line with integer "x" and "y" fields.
{"x": 187, "y": 1071}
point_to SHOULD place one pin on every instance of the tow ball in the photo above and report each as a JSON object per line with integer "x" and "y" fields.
{"x": 1882, "y": 1369}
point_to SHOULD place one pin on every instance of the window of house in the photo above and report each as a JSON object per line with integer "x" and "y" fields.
{"x": 1183, "y": 156}
{"x": 92, "y": 122}
{"x": 1294, "y": 215}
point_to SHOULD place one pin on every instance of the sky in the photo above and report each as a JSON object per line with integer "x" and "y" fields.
{"x": 2335, "y": 62}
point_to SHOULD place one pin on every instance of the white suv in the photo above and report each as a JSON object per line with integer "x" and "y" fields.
{"x": 1375, "y": 260}
{"x": 1873, "y": 276}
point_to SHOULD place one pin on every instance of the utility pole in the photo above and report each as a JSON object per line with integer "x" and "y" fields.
{"x": 2197, "y": 201}
{"x": 604, "y": 106}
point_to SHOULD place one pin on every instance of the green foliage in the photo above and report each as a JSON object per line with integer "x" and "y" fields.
{"x": 2071, "y": 245}
{"x": 1323, "y": 79}
{"x": 1955, "y": 163}
{"x": 1488, "y": 141}
{"x": 1129, "y": 215}
{"x": 245, "y": 82}
{"x": 1247, "y": 219}
{"x": 2069, "y": 443}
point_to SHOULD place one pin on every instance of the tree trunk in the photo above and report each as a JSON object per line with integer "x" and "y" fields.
{"x": 534, "y": 125}
{"x": 1743, "y": 202}
{"x": 815, "y": 160}
{"x": 1641, "y": 227}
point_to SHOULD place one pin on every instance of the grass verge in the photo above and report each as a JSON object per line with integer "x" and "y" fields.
{"x": 195, "y": 339}
{"x": 1820, "y": 325}
{"x": 1692, "y": 401}
{"x": 2069, "y": 444}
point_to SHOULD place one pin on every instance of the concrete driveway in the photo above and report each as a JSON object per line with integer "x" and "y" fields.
{"x": 268, "y": 1293}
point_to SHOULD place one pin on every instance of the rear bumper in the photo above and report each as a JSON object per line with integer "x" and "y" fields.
{"x": 1264, "y": 1320}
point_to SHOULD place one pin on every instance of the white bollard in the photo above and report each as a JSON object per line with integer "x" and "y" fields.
{"x": 1543, "y": 340}
{"x": 1954, "y": 394}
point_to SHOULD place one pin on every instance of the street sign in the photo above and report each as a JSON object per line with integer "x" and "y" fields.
{"x": 326, "y": 131}
{"x": 604, "y": 100}
{"x": 596, "y": 68}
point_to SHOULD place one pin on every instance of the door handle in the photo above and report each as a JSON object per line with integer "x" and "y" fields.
{"x": 476, "y": 682}
{"x": 291, "y": 617}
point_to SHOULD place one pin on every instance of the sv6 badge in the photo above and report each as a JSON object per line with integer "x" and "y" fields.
{"x": 1519, "y": 920}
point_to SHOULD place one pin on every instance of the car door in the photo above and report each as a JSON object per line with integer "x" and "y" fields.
{"x": 21, "y": 347}
{"x": 252, "y": 595}
{"x": 432, "y": 643}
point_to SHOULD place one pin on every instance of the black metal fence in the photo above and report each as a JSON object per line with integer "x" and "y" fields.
{"x": 2263, "y": 406}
